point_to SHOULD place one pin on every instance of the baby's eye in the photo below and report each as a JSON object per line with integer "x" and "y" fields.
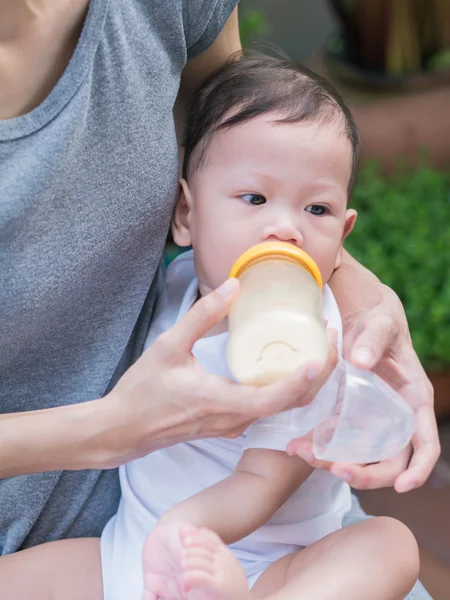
{"x": 317, "y": 210}
{"x": 255, "y": 199}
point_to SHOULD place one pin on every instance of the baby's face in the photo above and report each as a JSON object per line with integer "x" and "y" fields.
{"x": 264, "y": 181}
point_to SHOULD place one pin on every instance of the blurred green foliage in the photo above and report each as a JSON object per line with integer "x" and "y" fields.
{"x": 252, "y": 25}
{"x": 403, "y": 235}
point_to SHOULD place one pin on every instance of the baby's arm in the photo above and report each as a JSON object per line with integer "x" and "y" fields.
{"x": 235, "y": 507}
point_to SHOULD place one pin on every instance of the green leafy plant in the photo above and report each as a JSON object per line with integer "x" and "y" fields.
{"x": 403, "y": 235}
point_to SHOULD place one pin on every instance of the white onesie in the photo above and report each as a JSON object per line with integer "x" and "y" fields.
{"x": 151, "y": 485}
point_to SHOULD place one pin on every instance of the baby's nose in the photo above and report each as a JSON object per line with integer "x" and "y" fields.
{"x": 283, "y": 232}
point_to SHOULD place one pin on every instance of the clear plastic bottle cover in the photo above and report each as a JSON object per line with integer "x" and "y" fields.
{"x": 360, "y": 418}
{"x": 276, "y": 323}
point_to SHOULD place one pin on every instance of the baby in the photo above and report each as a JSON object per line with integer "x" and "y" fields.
{"x": 270, "y": 154}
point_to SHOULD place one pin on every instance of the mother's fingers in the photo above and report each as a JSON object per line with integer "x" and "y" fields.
{"x": 416, "y": 389}
{"x": 370, "y": 477}
{"x": 426, "y": 451}
{"x": 177, "y": 342}
{"x": 361, "y": 477}
{"x": 378, "y": 333}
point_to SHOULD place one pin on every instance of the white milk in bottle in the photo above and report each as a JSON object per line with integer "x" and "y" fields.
{"x": 276, "y": 322}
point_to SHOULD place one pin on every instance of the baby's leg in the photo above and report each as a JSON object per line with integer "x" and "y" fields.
{"x": 375, "y": 559}
{"x": 67, "y": 569}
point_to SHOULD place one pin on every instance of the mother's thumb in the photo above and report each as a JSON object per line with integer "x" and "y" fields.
{"x": 205, "y": 313}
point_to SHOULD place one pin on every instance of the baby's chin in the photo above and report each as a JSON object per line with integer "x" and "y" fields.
{"x": 207, "y": 284}
{"x": 204, "y": 289}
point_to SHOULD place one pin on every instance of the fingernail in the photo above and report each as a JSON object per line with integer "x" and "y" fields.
{"x": 228, "y": 288}
{"x": 290, "y": 450}
{"x": 407, "y": 488}
{"x": 363, "y": 356}
{"x": 313, "y": 371}
{"x": 344, "y": 475}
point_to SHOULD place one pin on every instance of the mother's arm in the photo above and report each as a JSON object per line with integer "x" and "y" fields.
{"x": 163, "y": 399}
{"x": 197, "y": 69}
{"x": 376, "y": 336}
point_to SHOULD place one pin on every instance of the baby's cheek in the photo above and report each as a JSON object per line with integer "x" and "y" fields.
{"x": 327, "y": 264}
{"x": 216, "y": 268}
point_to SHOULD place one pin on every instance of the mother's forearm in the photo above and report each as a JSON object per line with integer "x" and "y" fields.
{"x": 98, "y": 434}
{"x": 69, "y": 437}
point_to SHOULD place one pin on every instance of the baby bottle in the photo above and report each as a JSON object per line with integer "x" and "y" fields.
{"x": 276, "y": 322}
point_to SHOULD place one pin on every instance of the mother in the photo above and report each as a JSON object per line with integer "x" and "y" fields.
{"x": 88, "y": 177}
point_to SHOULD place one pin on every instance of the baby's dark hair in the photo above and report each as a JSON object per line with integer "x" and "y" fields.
{"x": 250, "y": 86}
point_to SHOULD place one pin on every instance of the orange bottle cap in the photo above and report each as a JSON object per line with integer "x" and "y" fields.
{"x": 276, "y": 249}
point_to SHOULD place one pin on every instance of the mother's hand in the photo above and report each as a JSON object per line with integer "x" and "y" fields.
{"x": 378, "y": 339}
{"x": 166, "y": 397}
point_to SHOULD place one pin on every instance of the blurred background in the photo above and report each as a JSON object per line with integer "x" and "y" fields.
{"x": 391, "y": 60}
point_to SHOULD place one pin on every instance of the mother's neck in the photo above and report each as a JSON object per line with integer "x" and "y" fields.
{"x": 37, "y": 40}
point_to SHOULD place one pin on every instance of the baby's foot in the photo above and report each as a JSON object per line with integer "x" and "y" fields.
{"x": 162, "y": 556}
{"x": 211, "y": 571}
{"x": 182, "y": 562}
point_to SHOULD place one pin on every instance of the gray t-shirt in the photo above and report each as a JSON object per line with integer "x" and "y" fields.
{"x": 87, "y": 185}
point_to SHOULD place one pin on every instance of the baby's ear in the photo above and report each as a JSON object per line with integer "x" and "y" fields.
{"x": 350, "y": 219}
{"x": 180, "y": 222}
